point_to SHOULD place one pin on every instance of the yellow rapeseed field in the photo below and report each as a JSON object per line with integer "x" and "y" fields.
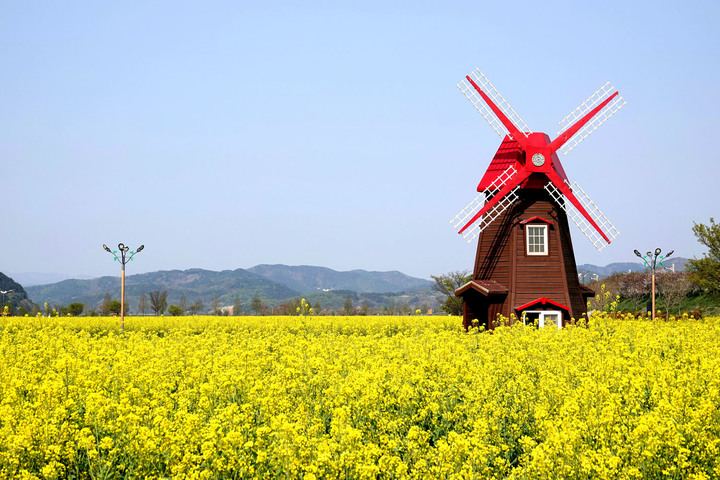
{"x": 357, "y": 397}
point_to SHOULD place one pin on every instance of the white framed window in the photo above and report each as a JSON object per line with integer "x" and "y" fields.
{"x": 537, "y": 239}
{"x": 543, "y": 317}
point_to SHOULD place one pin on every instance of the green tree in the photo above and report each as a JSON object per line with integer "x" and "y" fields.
{"x": 175, "y": 310}
{"x": 705, "y": 272}
{"x": 256, "y": 304}
{"x": 114, "y": 307}
{"x": 76, "y": 309}
{"x": 446, "y": 285}
{"x": 348, "y": 307}
{"x": 237, "y": 306}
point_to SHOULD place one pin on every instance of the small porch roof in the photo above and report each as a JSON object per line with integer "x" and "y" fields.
{"x": 484, "y": 287}
{"x": 586, "y": 291}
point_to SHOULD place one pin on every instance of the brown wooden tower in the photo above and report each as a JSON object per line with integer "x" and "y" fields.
{"x": 525, "y": 266}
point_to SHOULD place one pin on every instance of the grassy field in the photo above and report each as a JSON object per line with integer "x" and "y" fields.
{"x": 357, "y": 397}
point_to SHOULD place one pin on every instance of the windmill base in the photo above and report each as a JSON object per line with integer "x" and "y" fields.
{"x": 525, "y": 268}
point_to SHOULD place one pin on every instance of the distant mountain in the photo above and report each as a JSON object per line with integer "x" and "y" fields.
{"x": 676, "y": 264}
{"x": 307, "y": 279}
{"x": 29, "y": 279}
{"x": 14, "y": 292}
{"x": 274, "y": 283}
{"x": 195, "y": 284}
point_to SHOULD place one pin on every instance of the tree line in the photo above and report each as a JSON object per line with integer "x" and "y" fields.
{"x": 155, "y": 303}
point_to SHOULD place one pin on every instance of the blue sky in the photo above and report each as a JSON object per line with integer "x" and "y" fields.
{"x": 227, "y": 134}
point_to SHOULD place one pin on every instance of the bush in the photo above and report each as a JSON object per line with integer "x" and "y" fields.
{"x": 76, "y": 309}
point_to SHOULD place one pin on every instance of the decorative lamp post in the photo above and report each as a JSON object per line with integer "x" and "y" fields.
{"x": 123, "y": 259}
{"x": 651, "y": 261}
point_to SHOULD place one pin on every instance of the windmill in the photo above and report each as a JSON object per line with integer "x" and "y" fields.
{"x": 525, "y": 265}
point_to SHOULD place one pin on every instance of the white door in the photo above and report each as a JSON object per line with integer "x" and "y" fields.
{"x": 543, "y": 317}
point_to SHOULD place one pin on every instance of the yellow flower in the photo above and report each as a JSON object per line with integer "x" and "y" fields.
{"x": 358, "y": 397}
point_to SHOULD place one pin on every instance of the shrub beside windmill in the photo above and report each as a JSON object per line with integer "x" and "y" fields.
{"x": 525, "y": 263}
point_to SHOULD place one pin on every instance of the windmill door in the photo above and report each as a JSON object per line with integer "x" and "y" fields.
{"x": 543, "y": 317}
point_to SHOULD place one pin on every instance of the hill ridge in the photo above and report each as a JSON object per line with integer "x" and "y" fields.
{"x": 197, "y": 284}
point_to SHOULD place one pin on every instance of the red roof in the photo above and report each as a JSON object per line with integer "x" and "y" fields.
{"x": 508, "y": 154}
{"x": 542, "y": 301}
{"x": 536, "y": 219}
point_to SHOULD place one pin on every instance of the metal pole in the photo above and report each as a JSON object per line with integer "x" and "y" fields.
{"x": 650, "y": 260}
{"x": 123, "y": 249}
{"x": 653, "y": 296}
{"x": 122, "y": 300}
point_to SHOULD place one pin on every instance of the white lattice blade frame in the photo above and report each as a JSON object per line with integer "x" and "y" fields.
{"x": 468, "y": 212}
{"x": 580, "y": 221}
{"x": 477, "y": 203}
{"x": 469, "y": 91}
{"x": 601, "y": 94}
{"x": 471, "y": 233}
{"x": 595, "y": 99}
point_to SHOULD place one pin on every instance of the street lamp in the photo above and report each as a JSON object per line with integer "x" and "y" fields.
{"x": 651, "y": 260}
{"x": 123, "y": 259}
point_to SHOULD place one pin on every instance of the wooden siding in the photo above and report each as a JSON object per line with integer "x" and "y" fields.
{"x": 501, "y": 256}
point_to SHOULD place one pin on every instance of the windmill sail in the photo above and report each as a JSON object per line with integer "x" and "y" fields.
{"x": 481, "y": 81}
{"x": 595, "y": 99}
{"x": 477, "y": 203}
{"x": 581, "y": 222}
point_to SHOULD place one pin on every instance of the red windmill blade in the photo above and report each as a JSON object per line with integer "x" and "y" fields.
{"x": 477, "y": 82}
{"x": 534, "y": 161}
{"x": 601, "y": 94}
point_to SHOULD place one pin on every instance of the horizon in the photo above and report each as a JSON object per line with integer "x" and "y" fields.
{"x": 63, "y": 276}
{"x": 238, "y": 134}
